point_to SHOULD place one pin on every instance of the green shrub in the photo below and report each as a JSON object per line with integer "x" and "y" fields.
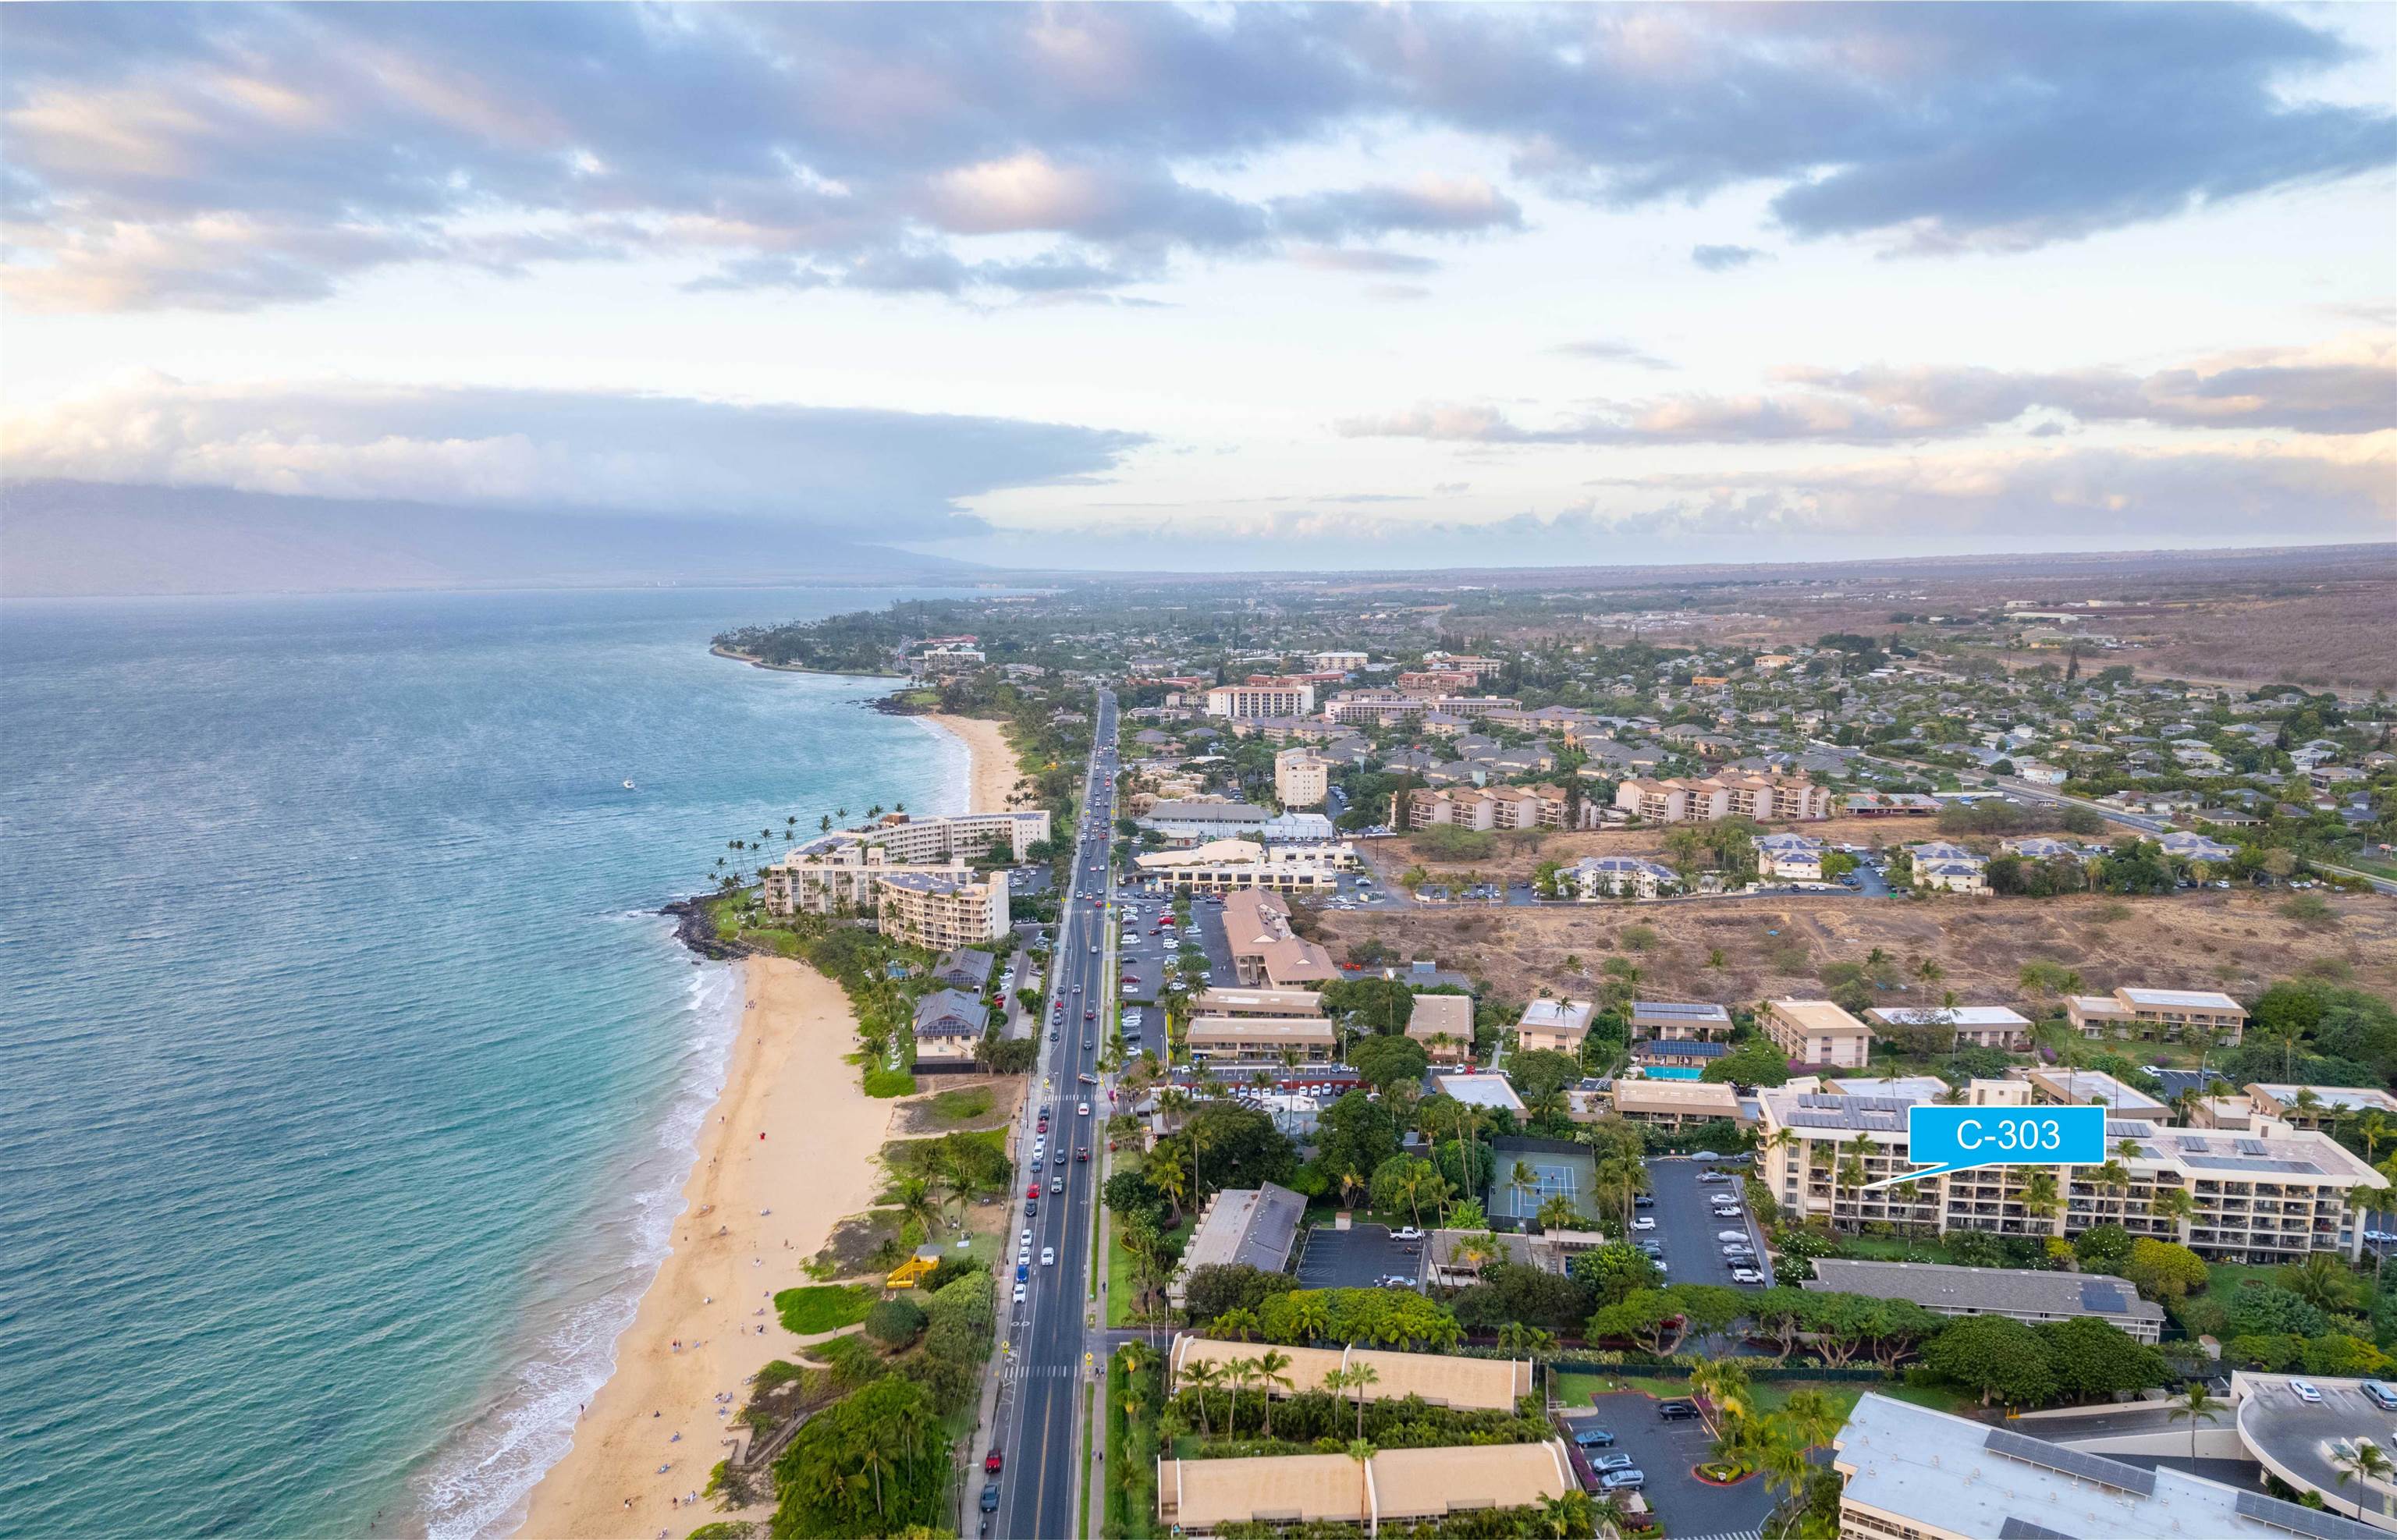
{"x": 888, "y": 1083}
{"x": 894, "y": 1322}
{"x": 823, "y": 1306}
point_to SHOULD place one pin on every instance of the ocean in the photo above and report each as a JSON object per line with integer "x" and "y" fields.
{"x": 348, "y": 1076}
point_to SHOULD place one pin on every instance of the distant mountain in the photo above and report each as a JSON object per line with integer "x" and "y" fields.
{"x": 62, "y": 538}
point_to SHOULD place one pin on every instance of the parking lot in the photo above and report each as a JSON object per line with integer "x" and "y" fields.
{"x": 1686, "y": 1225}
{"x": 1667, "y": 1454}
{"x": 1359, "y": 1258}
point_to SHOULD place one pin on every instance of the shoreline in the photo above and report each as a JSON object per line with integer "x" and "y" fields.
{"x": 754, "y": 1209}
{"x": 996, "y": 771}
{"x": 756, "y": 662}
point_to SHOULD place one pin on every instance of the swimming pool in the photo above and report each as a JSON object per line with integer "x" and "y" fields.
{"x": 1672, "y": 1072}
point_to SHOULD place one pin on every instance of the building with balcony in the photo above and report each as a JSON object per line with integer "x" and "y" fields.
{"x": 843, "y": 870}
{"x": 2268, "y": 1197}
{"x": 1271, "y": 699}
{"x": 1672, "y": 1020}
{"x": 1266, "y": 951}
{"x": 1671, "y": 1103}
{"x": 1601, "y": 877}
{"x": 1302, "y": 778}
{"x": 1556, "y": 1026}
{"x": 1963, "y": 1026}
{"x": 1240, "y": 1040}
{"x": 2162, "y": 1013}
{"x": 1225, "y": 865}
{"x": 942, "y": 909}
{"x": 1399, "y": 1487}
{"x": 1816, "y": 1032}
{"x": 1443, "y": 1025}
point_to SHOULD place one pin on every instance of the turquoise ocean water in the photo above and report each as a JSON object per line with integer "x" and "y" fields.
{"x": 347, "y": 1076}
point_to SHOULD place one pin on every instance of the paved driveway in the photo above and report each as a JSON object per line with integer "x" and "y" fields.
{"x": 1359, "y": 1258}
{"x": 1686, "y": 1223}
{"x": 1690, "y": 1510}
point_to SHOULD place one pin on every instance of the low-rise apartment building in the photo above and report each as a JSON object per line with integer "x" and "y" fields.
{"x": 2019, "y": 1294}
{"x": 1964, "y": 1025}
{"x": 1556, "y": 1026}
{"x": 1367, "y": 707}
{"x": 1762, "y": 798}
{"x": 1601, "y": 877}
{"x": 1224, "y": 865}
{"x": 1265, "y": 950}
{"x": 1193, "y": 820}
{"x": 1536, "y": 807}
{"x": 1443, "y": 1024}
{"x": 2059, "y": 1085}
{"x": 1678, "y": 1019}
{"x": 1671, "y": 1103}
{"x": 2164, "y": 1013}
{"x": 1241, "y": 1038}
{"x": 1261, "y": 700}
{"x": 2271, "y": 1195}
{"x": 1302, "y": 778}
{"x": 1401, "y": 1487}
{"x": 1256, "y": 1226}
{"x": 2319, "y": 1106}
{"x": 1816, "y": 1032}
{"x": 1265, "y": 1004}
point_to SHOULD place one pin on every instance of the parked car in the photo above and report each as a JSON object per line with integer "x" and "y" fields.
{"x": 2306, "y": 1391}
{"x": 990, "y": 1497}
{"x": 1731, "y": 1234}
{"x": 1716, "y": 1176}
{"x": 1032, "y": 1207}
{"x": 1745, "y": 1275}
{"x": 1018, "y": 1294}
{"x": 1612, "y": 1462}
{"x": 1643, "y": 1201}
{"x": 1676, "y": 1412}
{"x": 1406, "y": 1233}
{"x": 1593, "y": 1438}
{"x": 1623, "y": 1481}
{"x": 993, "y": 1461}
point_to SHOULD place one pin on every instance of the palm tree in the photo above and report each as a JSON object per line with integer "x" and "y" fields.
{"x": 1271, "y": 1365}
{"x": 2198, "y": 1407}
{"x": 1360, "y": 1378}
{"x": 912, "y": 1198}
{"x": 2039, "y": 1194}
{"x": 2321, "y": 1280}
{"x": 1362, "y": 1452}
{"x": 1568, "y": 1514}
{"x": 1202, "y": 1377}
{"x": 2371, "y": 1128}
{"x": 2173, "y": 1204}
{"x": 1521, "y": 1179}
{"x": 1239, "y": 1371}
{"x": 2368, "y": 1460}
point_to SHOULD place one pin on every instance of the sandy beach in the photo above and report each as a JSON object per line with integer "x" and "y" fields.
{"x": 813, "y": 1165}
{"x": 994, "y": 769}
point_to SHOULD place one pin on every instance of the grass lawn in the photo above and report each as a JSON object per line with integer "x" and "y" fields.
{"x": 1894, "y": 1248}
{"x": 824, "y": 1306}
{"x": 961, "y": 1106}
{"x": 1122, "y": 1289}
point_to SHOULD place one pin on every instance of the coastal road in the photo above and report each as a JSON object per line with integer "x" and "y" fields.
{"x": 1041, "y": 1400}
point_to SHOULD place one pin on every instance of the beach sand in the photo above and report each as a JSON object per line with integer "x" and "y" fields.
{"x": 994, "y": 769}
{"x": 787, "y": 1080}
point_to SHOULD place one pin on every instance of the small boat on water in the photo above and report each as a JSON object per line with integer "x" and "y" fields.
{"x": 628, "y": 785}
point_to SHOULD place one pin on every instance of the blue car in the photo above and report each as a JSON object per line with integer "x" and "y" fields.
{"x": 1021, "y": 1272}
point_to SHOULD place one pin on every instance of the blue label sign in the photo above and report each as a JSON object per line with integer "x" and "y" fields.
{"x": 1946, "y": 1139}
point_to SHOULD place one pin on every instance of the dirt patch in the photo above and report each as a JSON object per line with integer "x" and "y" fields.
{"x": 858, "y": 1243}
{"x": 944, "y": 1111}
{"x": 1744, "y": 950}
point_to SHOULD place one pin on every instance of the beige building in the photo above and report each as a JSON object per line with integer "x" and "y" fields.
{"x": 1443, "y": 1024}
{"x": 1556, "y": 1026}
{"x": 1367, "y": 707}
{"x": 1241, "y": 1038}
{"x": 2164, "y": 1013}
{"x": 1265, "y": 950}
{"x": 942, "y": 910}
{"x": 2269, "y": 1196}
{"x": 2031, "y": 1296}
{"x": 1762, "y": 798}
{"x": 1197, "y": 1497}
{"x": 1679, "y": 1021}
{"x": 1261, "y": 700}
{"x": 1301, "y": 778}
{"x": 1478, "y": 808}
{"x": 1972, "y": 1026}
{"x": 1674, "y": 1103}
{"x": 1227, "y": 866}
{"x": 1442, "y": 1379}
{"x": 2319, "y": 1106}
{"x": 1284, "y": 1004}
{"x": 1818, "y": 1032}
{"x": 856, "y": 871}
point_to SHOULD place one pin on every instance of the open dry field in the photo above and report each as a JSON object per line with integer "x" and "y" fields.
{"x": 1516, "y": 855}
{"x": 2234, "y": 941}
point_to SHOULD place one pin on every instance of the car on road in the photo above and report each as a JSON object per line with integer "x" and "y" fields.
{"x": 993, "y": 1461}
{"x": 1057, "y": 1189}
{"x": 1022, "y": 1271}
{"x": 1048, "y": 1257}
{"x": 1059, "y": 1158}
{"x": 1083, "y": 1110}
{"x": 1032, "y": 1207}
{"x": 1086, "y": 1042}
{"x": 1032, "y": 1191}
{"x": 1623, "y": 1481}
{"x": 1052, "y": 1036}
{"x": 1644, "y": 1222}
{"x": 1676, "y": 1412}
{"x": 1643, "y": 1201}
{"x": 990, "y": 1497}
{"x": 1083, "y": 1152}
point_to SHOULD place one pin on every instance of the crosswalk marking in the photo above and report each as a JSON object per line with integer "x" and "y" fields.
{"x": 1730, "y": 1535}
{"x": 1040, "y": 1372}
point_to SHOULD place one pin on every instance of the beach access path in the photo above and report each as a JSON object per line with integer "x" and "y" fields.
{"x": 789, "y": 1080}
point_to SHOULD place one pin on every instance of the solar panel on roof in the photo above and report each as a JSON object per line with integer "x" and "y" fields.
{"x": 2300, "y": 1520}
{"x": 2103, "y": 1296}
{"x": 2072, "y": 1462}
{"x": 2251, "y": 1146}
{"x": 2023, "y": 1529}
{"x": 2191, "y": 1145}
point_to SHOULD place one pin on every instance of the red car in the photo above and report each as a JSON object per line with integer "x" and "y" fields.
{"x": 1032, "y": 1191}
{"x": 991, "y": 1462}
{"x": 1043, "y": 1128}
{"x": 1083, "y": 1153}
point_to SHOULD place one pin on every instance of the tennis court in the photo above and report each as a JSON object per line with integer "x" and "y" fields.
{"x": 1531, "y": 1171}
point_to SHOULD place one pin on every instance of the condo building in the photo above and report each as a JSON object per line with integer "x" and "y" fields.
{"x": 914, "y": 875}
{"x": 2271, "y": 1195}
{"x": 1970, "y": 1026}
{"x": 2157, "y": 1013}
{"x": 1816, "y": 1032}
{"x": 1536, "y": 807}
{"x": 1388, "y": 705}
{"x": 1302, "y": 777}
{"x": 1556, "y": 1026}
{"x": 1291, "y": 699}
{"x": 1225, "y": 866}
{"x": 1241, "y": 1038}
{"x": 1678, "y": 1020}
{"x": 940, "y": 909}
{"x": 1762, "y": 798}
{"x": 1265, "y": 950}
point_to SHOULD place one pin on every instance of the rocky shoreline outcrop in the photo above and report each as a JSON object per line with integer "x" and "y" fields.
{"x": 695, "y": 928}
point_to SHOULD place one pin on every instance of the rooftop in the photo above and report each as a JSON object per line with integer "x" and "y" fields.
{"x": 1679, "y": 1011}
{"x": 1491, "y": 1385}
{"x": 1820, "y": 1016}
{"x": 1481, "y": 1091}
{"x": 2202, "y": 999}
{"x": 1968, "y": 1478}
{"x": 1962, "y": 1015}
{"x": 1939, "y": 1286}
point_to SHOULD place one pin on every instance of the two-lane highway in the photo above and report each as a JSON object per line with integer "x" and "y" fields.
{"x": 1041, "y": 1404}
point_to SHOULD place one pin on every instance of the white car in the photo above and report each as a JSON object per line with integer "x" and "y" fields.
{"x": 1745, "y": 1275}
{"x": 1025, "y": 1239}
{"x": 1048, "y": 1257}
{"x": 1409, "y": 1233}
{"x": 1644, "y": 1222}
{"x": 1731, "y": 1234}
{"x": 1018, "y": 1294}
{"x": 2306, "y": 1391}
{"x": 1084, "y": 1109}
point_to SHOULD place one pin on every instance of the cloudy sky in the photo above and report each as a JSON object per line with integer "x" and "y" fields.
{"x": 1252, "y": 286}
